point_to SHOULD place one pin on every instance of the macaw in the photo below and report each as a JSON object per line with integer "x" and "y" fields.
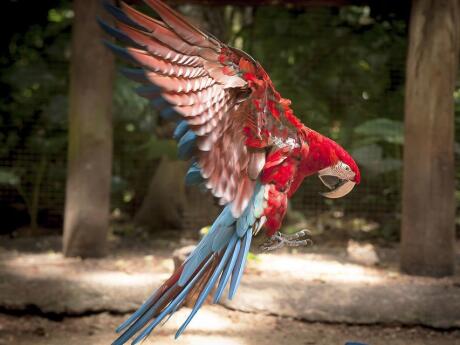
{"x": 243, "y": 141}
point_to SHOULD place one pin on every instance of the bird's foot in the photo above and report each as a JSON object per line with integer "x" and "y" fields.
{"x": 280, "y": 240}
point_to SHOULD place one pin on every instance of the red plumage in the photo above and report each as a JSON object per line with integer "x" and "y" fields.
{"x": 230, "y": 103}
{"x": 243, "y": 138}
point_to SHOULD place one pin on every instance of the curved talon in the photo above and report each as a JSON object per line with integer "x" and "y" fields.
{"x": 279, "y": 240}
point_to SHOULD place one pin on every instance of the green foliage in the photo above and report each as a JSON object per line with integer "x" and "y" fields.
{"x": 137, "y": 147}
{"x": 252, "y": 257}
{"x": 371, "y": 158}
{"x": 382, "y": 130}
{"x": 342, "y": 68}
{"x": 8, "y": 177}
{"x": 378, "y": 149}
{"x": 33, "y": 113}
{"x": 339, "y": 69}
{"x": 33, "y": 118}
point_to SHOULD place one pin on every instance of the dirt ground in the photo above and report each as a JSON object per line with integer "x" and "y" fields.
{"x": 38, "y": 261}
{"x": 215, "y": 325}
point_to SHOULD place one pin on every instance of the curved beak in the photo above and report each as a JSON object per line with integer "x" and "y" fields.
{"x": 338, "y": 187}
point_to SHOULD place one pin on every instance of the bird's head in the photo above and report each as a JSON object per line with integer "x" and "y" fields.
{"x": 336, "y": 168}
{"x": 340, "y": 177}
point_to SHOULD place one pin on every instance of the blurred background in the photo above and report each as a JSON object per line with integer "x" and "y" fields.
{"x": 343, "y": 65}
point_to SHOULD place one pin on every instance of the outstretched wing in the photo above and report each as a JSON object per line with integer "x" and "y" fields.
{"x": 228, "y": 114}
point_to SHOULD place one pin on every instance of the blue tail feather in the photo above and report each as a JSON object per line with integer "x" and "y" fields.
{"x": 222, "y": 238}
{"x": 222, "y": 252}
{"x": 139, "y": 312}
{"x": 142, "y": 320}
{"x": 207, "y": 289}
{"x": 228, "y": 242}
{"x": 240, "y": 264}
{"x": 227, "y": 272}
{"x": 204, "y": 248}
{"x": 179, "y": 299}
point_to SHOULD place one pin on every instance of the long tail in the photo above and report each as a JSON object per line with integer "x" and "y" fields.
{"x": 221, "y": 254}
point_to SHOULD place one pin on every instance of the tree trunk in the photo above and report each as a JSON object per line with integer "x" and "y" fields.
{"x": 90, "y": 136}
{"x": 170, "y": 204}
{"x": 428, "y": 220}
{"x": 165, "y": 201}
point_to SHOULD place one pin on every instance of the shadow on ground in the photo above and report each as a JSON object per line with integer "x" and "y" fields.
{"x": 354, "y": 302}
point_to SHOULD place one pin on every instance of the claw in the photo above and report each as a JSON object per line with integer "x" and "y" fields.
{"x": 297, "y": 235}
{"x": 280, "y": 240}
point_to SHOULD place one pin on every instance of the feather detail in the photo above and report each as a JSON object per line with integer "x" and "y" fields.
{"x": 165, "y": 36}
{"x": 123, "y": 16}
{"x": 180, "y": 130}
{"x": 175, "y": 84}
{"x": 256, "y": 164}
{"x": 230, "y": 120}
{"x": 222, "y": 75}
{"x": 193, "y": 175}
{"x": 182, "y": 27}
{"x": 243, "y": 195}
{"x": 146, "y": 22}
{"x": 212, "y": 106}
{"x": 155, "y": 64}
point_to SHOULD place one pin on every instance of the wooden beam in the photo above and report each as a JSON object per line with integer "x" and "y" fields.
{"x": 303, "y": 3}
{"x": 428, "y": 219}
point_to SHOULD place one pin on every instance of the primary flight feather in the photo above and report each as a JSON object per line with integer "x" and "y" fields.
{"x": 243, "y": 141}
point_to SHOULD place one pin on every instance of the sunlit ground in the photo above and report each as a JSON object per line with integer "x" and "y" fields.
{"x": 120, "y": 272}
{"x": 314, "y": 266}
{"x": 284, "y": 284}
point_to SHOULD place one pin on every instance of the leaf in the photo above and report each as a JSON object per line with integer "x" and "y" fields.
{"x": 364, "y": 153}
{"x": 371, "y": 158}
{"x": 9, "y": 177}
{"x": 384, "y": 129}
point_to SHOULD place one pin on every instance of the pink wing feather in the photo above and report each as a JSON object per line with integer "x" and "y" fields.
{"x": 218, "y": 90}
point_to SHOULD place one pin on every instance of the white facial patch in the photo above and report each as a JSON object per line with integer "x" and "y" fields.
{"x": 341, "y": 170}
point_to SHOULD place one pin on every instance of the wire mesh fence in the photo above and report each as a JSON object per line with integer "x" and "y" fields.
{"x": 343, "y": 68}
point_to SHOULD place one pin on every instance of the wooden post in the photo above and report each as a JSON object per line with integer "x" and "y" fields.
{"x": 428, "y": 219}
{"x": 90, "y": 136}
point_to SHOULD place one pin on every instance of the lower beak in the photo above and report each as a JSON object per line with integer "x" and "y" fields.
{"x": 339, "y": 190}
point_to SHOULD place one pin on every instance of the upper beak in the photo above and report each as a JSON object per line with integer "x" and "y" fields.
{"x": 337, "y": 186}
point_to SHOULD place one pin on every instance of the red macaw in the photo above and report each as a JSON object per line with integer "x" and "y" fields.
{"x": 244, "y": 143}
